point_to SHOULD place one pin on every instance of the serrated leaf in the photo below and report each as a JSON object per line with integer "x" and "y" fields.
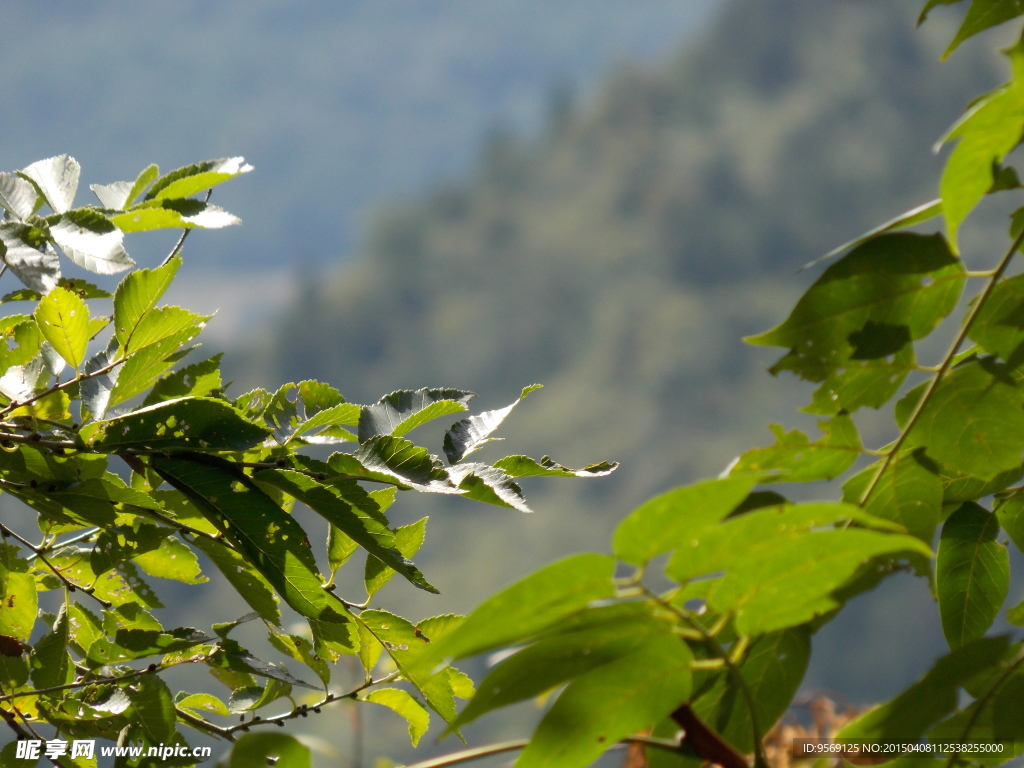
{"x": 187, "y": 181}
{"x": 974, "y": 421}
{"x": 174, "y": 214}
{"x": 230, "y": 655}
{"x": 56, "y": 178}
{"x": 152, "y": 708}
{"x": 660, "y": 524}
{"x": 524, "y": 466}
{"x": 794, "y": 458}
{"x": 270, "y": 539}
{"x": 38, "y": 268}
{"x": 895, "y": 281}
{"x": 187, "y": 423}
{"x": 395, "y": 460}
{"x": 18, "y": 600}
{"x": 907, "y": 717}
{"x": 128, "y": 644}
{"x": 95, "y": 387}
{"x": 599, "y": 708}
{"x": 404, "y": 410}
{"x": 143, "y": 368}
{"x": 469, "y": 435}
{"x": 972, "y": 574}
{"x": 117, "y": 544}
{"x": 998, "y": 328}
{"x": 196, "y": 380}
{"x": 51, "y": 663}
{"x": 146, "y": 177}
{"x": 91, "y": 241}
{"x": 301, "y": 649}
{"x": 63, "y": 320}
{"x": 408, "y": 540}
{"x": 403, "y": 704}
{"x": 490, "y": 485}
{"x": 137, "y": 294}
{"x": 527, "y": 607}
{"x": 349, "y": 508}
{"x": 17, "y": 196}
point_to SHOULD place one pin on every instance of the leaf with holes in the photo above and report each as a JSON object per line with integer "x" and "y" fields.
{"x": 63, "y": 320}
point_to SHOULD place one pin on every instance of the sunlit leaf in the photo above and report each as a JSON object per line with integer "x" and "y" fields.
{"x": 91, "y": 241}
{"x": 187, "y": 181}
{"x": 63, "y": 320}
{"x": 56, "y": 178}
{"x": 470, "y": 434}
{"x": 402, "y": 703}
{"x": 404, "y": 410}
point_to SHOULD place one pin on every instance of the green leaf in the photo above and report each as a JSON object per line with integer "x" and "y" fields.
{"x": 174, "y": 214}
{"x": 659, "y": 524}
{"x": 404, "y": 410}
{"x": 772, "y": 670}
{"x": 869, "y": 382}
{"x": 187, "y": 181}
{"x": 998, "y": 327}
{"x": 408, "y": 540}
{"x": 137, "y": 294}
{"x": 172, "y": 560}
{"x": 403, "y": 641}
{"x": 143, "y": 180}
{"x": 974, "y": 421}
{"x": 908, "y": 493}
{"x": 601, "y": 638}
{"x": 247, "y": 581}
{"x": 17, "y": 196}
{"x": 300, "y": 649}
{"x": 981, "y": 15}
{"x": 527, "y": 607}
{"x": 270, "y": 539}
{"x": 197, "y": 380}
{"x": 794, "y": 458}
{"x": 202, "y": 702}
{"x": 894, "y": 286}
{"x": 481, "y": 482}
{"x": 18, "y": 600}
{"x": 394, "y": 460}
{"x": 63, "y": 320}
{"x": 469, "y": 435}
{"x": 986, "y": 134}
{"x": 256, "y": 749}
{"x": 917, "y": 215}
{"x": 1010, "y": 514}
{"x": 230, "y": 655}
{"x": 56, "y": 178}
{"x": 132, "y": 643}
{"x": 91, "y": 241}
{"x": 603, "y": 706}
{"x": 188, "y": 423}
{"x": 51, "y": 663}
{"x": 524, "y": 466}
{"x": 798, "y": 578}
{"x": 349, "y": 508}
{"x": 117, "y": 544}
{"x": 908, "y": 716}
{"x": 152, "y": 708}
{"x": 144, "y": 367}
{"x": 972, "y": 574}
{"x": 37, "y": 268}
{"x": 402, "y": 703}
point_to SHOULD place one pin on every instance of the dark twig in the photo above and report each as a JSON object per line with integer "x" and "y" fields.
{"x": 184, "y": 234}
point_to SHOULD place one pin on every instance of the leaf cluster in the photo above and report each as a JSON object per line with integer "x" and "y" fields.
{"x": 135, "y": 465}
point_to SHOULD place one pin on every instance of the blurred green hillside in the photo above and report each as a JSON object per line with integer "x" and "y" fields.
{"x": 619, "y": 256}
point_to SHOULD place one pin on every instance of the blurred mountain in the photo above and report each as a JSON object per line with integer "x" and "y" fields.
{"x": 619, "y": 256}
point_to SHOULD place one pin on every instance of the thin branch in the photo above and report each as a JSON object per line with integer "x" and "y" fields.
{"x": 184, "y": 234}
{"x": 70, "y": 585}
{"x": 56, "y": 545}
{"x": 15, "y": 404}
{"x": 946, "y": 364}
{"x": 85, "y": 683}
{"x": 734, "y": 673}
